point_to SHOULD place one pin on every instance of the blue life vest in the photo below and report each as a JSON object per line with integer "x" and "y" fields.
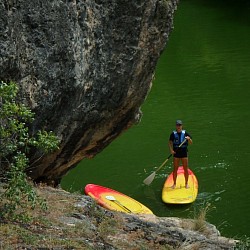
{"x": 178, "y": 140}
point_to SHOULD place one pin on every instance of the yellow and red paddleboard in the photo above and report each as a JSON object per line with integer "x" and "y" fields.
{"x": 180, "y": 194}
{"x": 114, "y": 200}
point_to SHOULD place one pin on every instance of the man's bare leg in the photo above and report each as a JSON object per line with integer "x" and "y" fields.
{"x": 185, "y": 167}
{"x": 176, "y": 166}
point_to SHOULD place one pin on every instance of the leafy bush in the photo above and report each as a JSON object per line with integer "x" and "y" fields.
{"x": 15, "y": 143}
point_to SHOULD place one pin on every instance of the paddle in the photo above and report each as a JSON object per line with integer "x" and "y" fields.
{"x": 151, "y": 177}
{"x": 112, "y": 198}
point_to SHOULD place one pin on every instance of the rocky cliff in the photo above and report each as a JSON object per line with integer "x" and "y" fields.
{"x": 84, "y": 67}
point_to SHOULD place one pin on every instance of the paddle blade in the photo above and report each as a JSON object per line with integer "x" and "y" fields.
{"x": 110, "y": 198}
{"x": 149, "y": 179}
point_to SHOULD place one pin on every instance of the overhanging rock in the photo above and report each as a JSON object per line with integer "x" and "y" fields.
{"x": 84, "y": 68}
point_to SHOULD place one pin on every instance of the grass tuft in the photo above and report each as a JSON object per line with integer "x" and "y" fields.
{"x": 199, "y": 220}
{"x": 200, "y": 223}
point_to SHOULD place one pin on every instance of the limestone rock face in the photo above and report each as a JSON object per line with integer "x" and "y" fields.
{"x": 84, "y": 67}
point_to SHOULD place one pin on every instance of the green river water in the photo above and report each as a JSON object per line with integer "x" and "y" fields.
{"x": 203, "y": 79}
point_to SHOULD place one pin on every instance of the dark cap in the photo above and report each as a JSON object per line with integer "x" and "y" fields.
{"x": 178, "y": 122}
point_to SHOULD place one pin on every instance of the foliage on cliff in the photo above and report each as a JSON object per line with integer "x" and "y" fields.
{"x": 16, "y": 142}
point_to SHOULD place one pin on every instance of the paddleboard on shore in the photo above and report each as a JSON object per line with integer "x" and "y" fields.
{"x": 114, "y": 200}
{"x": 180, "y": 194}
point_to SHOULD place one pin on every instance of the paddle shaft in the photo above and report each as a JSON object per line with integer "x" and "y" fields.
{"x": 163, "y": 163}
{"x": 169, "y": 157}
{"x": 122, "y": 206}
{"x": 151, "y": 177}
{"x": 112, "y": 198}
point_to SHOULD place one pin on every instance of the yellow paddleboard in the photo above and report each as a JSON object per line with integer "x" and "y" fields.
{"x": 114, "y": 200}
{"x": 180, "y": 194}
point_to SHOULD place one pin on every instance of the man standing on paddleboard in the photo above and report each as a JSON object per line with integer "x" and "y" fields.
{"x": 179, "y": 150}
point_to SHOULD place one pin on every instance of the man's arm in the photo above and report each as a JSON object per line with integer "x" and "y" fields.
{"x": 170, "y": 144}
{"x": 188, "y": 137}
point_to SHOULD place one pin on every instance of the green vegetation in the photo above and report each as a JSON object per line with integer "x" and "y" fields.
{"x": 243, "y": 243}
{"x": 15, "y": 144}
